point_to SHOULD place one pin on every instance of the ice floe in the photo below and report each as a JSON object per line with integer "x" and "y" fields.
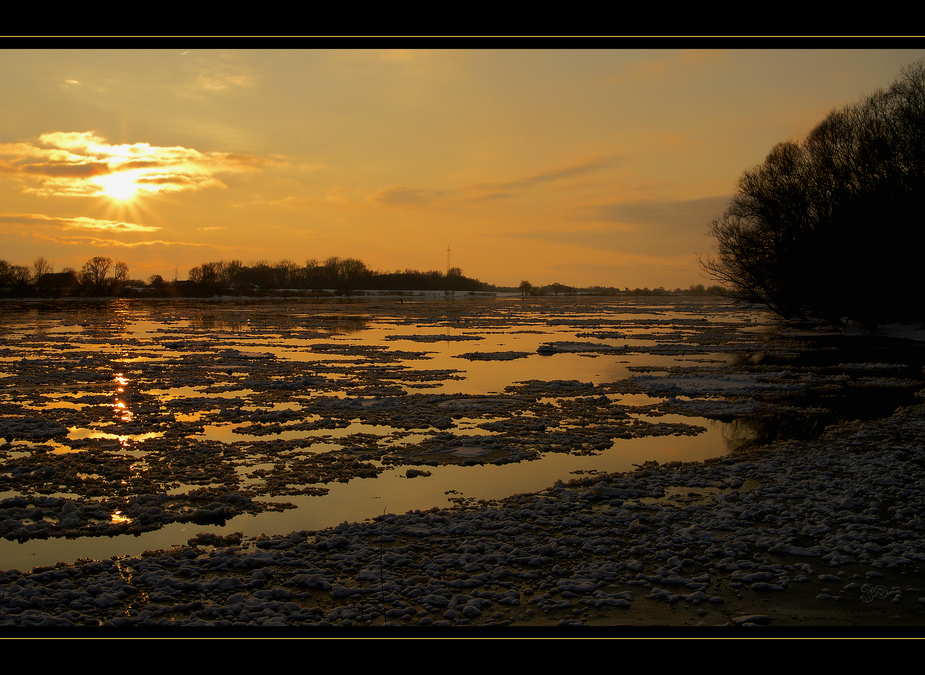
{"x": 243, "y": 420}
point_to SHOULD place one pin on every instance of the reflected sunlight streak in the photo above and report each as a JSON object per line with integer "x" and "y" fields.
{"x": 121, "y": 409}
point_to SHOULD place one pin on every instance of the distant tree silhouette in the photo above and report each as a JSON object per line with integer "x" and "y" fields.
{"x": 209, "y": 276}
{"x": 93, "y": 275}
{"x": 119, "y": 277}
{"x": 824, "y": 228}
{"x": 342, "y": 275}
{"x": 94, "y": 280}
{"x": 14, "y": 278}
{"x": 286, "y": 274}
{"x": 40, "y": 267}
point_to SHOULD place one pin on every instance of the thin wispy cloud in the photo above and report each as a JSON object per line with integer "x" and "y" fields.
{"x": 99, "y": 242}
{"x": 76, "y": 223}
{"x": 406, "y": 196}
{"x": 83, "y": 223}
{"x": 650, "y": 228}
{"x": 218, "y": 73}
{"x": 73, "y": 238}
{"x": 670, "y": 213}
{"x": 582, "y": 168}
{"x": 585, "y": 167}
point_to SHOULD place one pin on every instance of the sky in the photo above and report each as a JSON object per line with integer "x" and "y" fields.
{"x": 582, "y": 165}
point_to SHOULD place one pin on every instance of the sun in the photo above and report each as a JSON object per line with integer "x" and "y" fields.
{"x": 120, "y": 186}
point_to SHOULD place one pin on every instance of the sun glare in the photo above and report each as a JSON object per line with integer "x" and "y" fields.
{"x": 121, "y": 186}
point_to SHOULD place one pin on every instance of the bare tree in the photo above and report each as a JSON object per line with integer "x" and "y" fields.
{"x": 824, "y": 228}
{"x": 93, "y": 274}
{"x": 40, "y": 267}
{"x": 285, "y": 274}
{"x": 207, "y": 274}
{"x": 120, "y": 275}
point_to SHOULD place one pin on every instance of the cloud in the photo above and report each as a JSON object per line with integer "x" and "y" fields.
{"x": 83, "y": 223}
{"x": 221, "y": 73}
{"x": 83, "y": 232}
{"x": 66, "y": 169}
{"x": 672, "y": 214}
{"x": 79, "y": 163}
{"x": 406, "y": 196}
{"x": 96, "y": 242}
{"x": 76, "y": 223}
{"x": 658, "y": 229}
{"x": 582, "y": 168}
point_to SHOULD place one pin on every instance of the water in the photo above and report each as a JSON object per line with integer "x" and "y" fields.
{"x": 278, "y": 398}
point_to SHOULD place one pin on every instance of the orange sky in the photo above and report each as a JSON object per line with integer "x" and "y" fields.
{"x": 579, "y": 166}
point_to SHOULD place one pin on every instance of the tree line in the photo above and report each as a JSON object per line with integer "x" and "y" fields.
{"x": 102, "y": 276}
{"x": 825, "y": 228}
{"x": 334, "y": 273}
{"x": 99, "y": 276}
{"x": 526, "y": 288}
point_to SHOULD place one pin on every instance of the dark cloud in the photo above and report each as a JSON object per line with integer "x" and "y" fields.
{"x": 667, "y": 213}
{"x": 495, "y": 196}
{"x": 175, "y": 180}
{"x": 140, "y": 164}
{"x": 79, "y": 170}
{"x": 588, "y": 166}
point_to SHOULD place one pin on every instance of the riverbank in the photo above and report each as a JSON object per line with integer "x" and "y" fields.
{"x": 795, "y": 537}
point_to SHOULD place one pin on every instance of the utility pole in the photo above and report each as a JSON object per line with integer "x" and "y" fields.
{"x": 448, "y": 260}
